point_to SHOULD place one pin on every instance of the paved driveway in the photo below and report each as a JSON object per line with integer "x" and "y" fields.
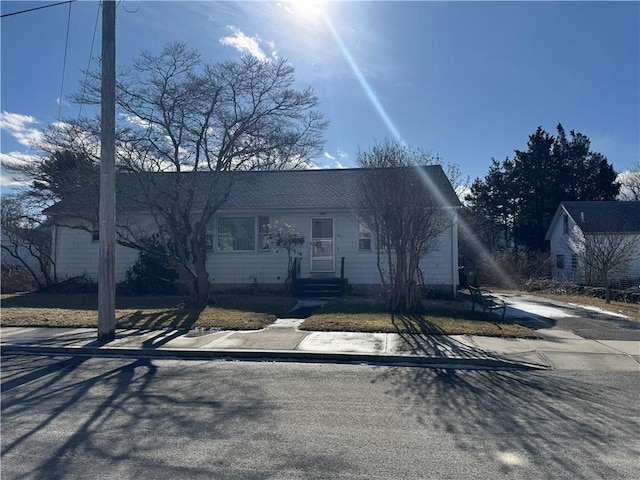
{"x": 543, "y": 313}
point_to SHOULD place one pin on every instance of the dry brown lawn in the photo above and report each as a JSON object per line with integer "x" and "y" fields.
{"x": 249, "y": 312}
{"x": 231, "y": 312}
{"x": 436, "y": 318}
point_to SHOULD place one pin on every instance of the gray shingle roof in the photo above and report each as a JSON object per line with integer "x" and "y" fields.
{"x": 598, "y": 217}
{"x": 264, "y": 190}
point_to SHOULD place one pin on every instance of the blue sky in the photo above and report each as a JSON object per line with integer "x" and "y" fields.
{"x": 467, "y": 81}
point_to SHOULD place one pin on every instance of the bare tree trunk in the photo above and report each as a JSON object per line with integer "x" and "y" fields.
{"x": 202, "y": 281}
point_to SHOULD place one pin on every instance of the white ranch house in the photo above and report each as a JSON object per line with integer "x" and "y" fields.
{"x": 590, "y": 218}
{"x": 317, "y": 203}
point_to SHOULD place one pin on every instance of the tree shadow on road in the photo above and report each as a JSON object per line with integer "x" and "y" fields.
{"x": 529, "y": 424}
{"x": 126, "y": 421}
{"x": 422, "y": 337}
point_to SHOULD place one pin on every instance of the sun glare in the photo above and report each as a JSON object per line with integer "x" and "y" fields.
{"x": 307, "y": 9}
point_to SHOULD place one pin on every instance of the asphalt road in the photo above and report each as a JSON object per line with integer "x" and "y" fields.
{"x": 78, "y": 418}
{"x": 589, "y": 324}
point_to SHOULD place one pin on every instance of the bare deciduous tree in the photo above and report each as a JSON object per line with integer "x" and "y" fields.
{"x": 604, "y": 257}
{"x": 405, "y": 215}
{"x": 180, "y": 117}
{"x": 28, "y": 241}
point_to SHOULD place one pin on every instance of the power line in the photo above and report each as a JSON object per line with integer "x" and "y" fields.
{"x": 64, "y": 62}
{"x": 86, "y": 74}
{"x": 36, "y": 8}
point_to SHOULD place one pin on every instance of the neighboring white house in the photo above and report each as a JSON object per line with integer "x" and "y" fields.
{"x": 576, "y": 221}
{"x": 316, "y": 203}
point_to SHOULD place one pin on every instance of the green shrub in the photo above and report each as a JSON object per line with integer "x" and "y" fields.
{"x": 149, "y": 276}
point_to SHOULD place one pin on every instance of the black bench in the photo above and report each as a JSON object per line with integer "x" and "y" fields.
{"x": 486, "y": 300}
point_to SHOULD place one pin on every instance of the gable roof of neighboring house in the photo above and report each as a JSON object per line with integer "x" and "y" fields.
{"x": 600, "y": 217}
{"x": 258, "y": 190}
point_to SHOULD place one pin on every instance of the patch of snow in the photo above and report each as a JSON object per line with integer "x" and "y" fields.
{"x": 287, "y": 323}
{"x": 538, "y": 310}
{"x": 599, "y": 310}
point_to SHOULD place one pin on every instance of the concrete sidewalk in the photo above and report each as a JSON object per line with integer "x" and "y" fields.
{"x": 282, "y": 341}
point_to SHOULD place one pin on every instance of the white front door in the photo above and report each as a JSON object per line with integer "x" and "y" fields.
{"x": 322, "y": 245}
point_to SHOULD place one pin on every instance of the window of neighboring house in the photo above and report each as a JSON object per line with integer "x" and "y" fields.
{"x": 560, "y": 261}
{"x": 574, "y": 262}
{"x": 95, "y": 232}
{"x": 263, "y": 233}
{"x": 565, "y": 223}
{"x": 236, "y": 234}
{"x": 364, "y": 237}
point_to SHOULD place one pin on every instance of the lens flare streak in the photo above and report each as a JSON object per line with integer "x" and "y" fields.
{"x": 363, "y": 81}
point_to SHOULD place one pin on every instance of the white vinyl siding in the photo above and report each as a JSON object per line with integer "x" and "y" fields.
{"x": 78, "y": 255}
{"x": 360, "y": 266}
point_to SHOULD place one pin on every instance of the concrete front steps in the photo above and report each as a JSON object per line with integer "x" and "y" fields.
{"x": 319, "y": 287}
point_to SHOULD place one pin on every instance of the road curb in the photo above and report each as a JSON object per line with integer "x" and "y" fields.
{"x": 278, "y": 356}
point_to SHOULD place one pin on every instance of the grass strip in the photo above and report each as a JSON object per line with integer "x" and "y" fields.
{"x": 230, "y": 312}
{"x": 434, "y": 318}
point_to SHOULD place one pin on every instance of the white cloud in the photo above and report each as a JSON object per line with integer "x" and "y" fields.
{"x": 17, "y": 159}
{"x": 285, "y": 7}
{"x": 135, "y": 120}
{"x": 64, "y": 102}
{"x": 274, "y": 50}
{"x": 245, "y": 44}
{"x": 15, "y": 121}
{"x": 342, "y": 154}
{"x": 327, "y": 161}
{"x": 19, "y": 126}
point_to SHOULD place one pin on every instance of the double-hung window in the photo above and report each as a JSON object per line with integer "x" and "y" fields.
{"x": 242, "y": 234}
{"x": 364, "y": 238}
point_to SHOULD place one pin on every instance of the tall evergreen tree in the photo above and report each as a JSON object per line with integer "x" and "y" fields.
{"x": 492, "y": 206}
{"x": 520, "y": 196}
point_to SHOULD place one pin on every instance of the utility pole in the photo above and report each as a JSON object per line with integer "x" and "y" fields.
{"x": 107, "y": 213}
